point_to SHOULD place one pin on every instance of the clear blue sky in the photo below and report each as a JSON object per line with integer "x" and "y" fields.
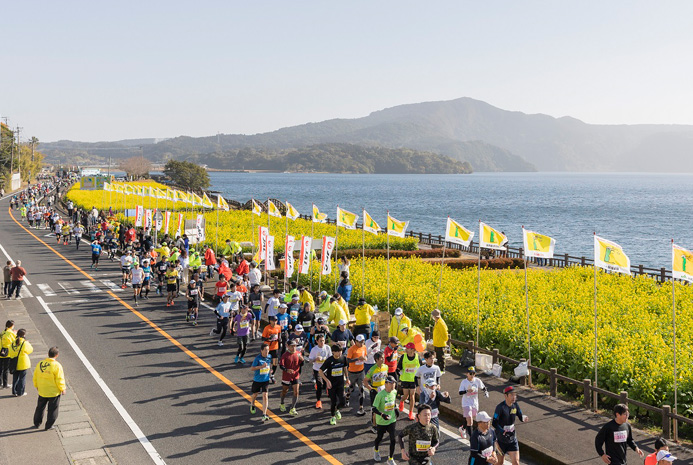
{"x": 106, "y": 71}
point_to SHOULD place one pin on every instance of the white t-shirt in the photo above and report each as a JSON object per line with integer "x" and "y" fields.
{"x": 254, "y": 277}
{"x": 137, "y": 275}
{"x": 235, "y": 298}
{"x": 321, "y": 353}
{"x": 125, "y": 261}
{"x": 273, "y": 306}
{"x": 371, "y": 349}
{"x": 424, "y": 372}
{"x": 471, "y": 399}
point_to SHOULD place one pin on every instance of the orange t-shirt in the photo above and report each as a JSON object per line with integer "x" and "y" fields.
{"x": 651, "y": 459}
{"x": 273, "y": 335}
{"x": 356, "y": 352}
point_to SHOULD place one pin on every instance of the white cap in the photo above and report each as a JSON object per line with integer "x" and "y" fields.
{"x": 360, "y": 337}
{"x": 298, "y": 328}
{"x": 430, "y": 382}
{"x": 482, "y": 416}
{"x": 665, "y": 455}
{"x": 323, "y": 293}
{"x": 282, "y": 306}
{"x": 399, "y": 311}
{"x": 342, "y": 322}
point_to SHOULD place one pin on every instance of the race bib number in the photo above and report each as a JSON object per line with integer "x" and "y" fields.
{"x": 193, "y": 291}
{"x": 342, "y": 344}
{"x": 434, "y": 413}
{"x": 283, "y": 324}
{"x": 389, "y": 406}
{"x": 486, "y": 453}
{"x": 422, "y": 446}
{"x": 274, "y": 337}
{"x": 265, "y": 370}
{"x": 244, "y": 324}
{"x": 257, "y": 303}
{"x": 293, "y": 314}
{"x": 359, "y": 362}
{"x": 620, "y": 436}
{"x": 337, "y": 372}
{"x": 509, "y": 428}
{"x": 410, "y": 370}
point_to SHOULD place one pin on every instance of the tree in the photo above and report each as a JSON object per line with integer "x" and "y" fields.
{"x": 187, "y": 175}
{"x": 136, "y": 166}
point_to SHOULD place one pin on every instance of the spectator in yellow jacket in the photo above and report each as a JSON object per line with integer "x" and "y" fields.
{"x": 49, "y": 379}
{"x": 399, "y": 321}
{"x": 336, "y": 314}
{"x": 306, "y": 298}
{"x": 440, "y": 338}
{"x": 324, "y": 306}
{"x": 345, "y": 306}
{"x": 363, "y": 313}
{"x": 20, "y": 348}
{"x": 8, "y": 336}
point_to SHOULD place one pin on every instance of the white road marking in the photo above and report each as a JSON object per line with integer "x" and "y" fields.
{"x": 77, "y": 301}
{"x": 67, "y": 287}
{"x": 25, "y": 292}
{"x": 148, "y": 447}
{"x": 26, "y": 280}
{"x": 46, "y": 289}
{"x": 90, "y": 285}
{"x": 111, "y": 285}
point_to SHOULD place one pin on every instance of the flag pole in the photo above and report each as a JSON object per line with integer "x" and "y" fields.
{"x": 529, "y": 336}
{"x": 216, "y": 240}
{"x": 286, "y": 213}
{"x": 363, "y": 255}
{"x": 268, "y": 233}
{"x": 322, "y": 257}
{"x": 336, "y": 251}
{"x": 595, "y": 396}
{"x": 442, "y": 264}
{"x": 676, "y": 384}
{"x": 388, "y": 262}
{"x": 478, "y": 288}
{"x": 310, "y": 252}
{"x": 252, "y": 225}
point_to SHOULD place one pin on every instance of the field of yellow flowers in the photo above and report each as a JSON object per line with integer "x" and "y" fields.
{"x": 103, "y": 200}
{"x": 634, "y": 319}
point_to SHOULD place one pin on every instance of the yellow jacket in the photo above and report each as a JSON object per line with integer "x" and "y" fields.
{"x": 307, "y": 297}
{"x": 324, "y": 306}
{"x": 363, "y": 314}
{"x": 49, "y": 378}
{"x": 345, "y": 306}
{"x": 440, "y": 333}
{"x": 23, "y": 362}
{"x": 397, "y": 325}
{"x": 417, "y": 337}
{"x": 336, "y": 314}
{"x": 8, "y": 337}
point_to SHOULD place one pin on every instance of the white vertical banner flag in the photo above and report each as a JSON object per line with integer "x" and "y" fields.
{"x": 289, "y": 255}
{"x": 139, "y": 213}
{"x": 147, "y": 219}
{"x": 304, "y": 264}
{"x": 158, "y": 219}
{"x": 269, "y": 254}
{"x": 200, "y": 228}
{"x": 180, "y": 224}
{"x": 167, "y": 221}
{"x": 262, "y": 241}
{"x": 327, "y": 248}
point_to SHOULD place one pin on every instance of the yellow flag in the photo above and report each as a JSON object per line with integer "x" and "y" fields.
{"x": 682, "y": 263}
{"x": 107, "y": 187}
{"x": 395, "y": 227}
{"x": 182, "y": 197}
{"x": 537, "y": 245}
{"x": 127, "y": 189}
{"x": 458, "y": 234}
{"x": 346, "y": 219}
{"x": 317, "y": 216}
{"x": 610, "y": 256}
{"x": 291, "y": 212}
{"x": 490, "y": 238}
{"x": 206, "y": 201}
{"x": 222, "y": 204}
{"x": 272, "y": 209}
{"x": 369, "y": 223}
{"x": 257, "y": 209}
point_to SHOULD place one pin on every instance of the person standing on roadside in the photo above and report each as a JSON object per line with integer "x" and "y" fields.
{"x": 20, "y": 348}
{"x": 504, "y": 424}
{"x": 17, "y": 274}
{"x": 49, "y": 379}
{"x": 8, "y": 336}
{"x": 7, "y": 276}
{"x": 615, "y": 436}
{"x": 440, "y": 338}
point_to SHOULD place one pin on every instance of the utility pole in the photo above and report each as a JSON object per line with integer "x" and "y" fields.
{"x": 19, "y": 153}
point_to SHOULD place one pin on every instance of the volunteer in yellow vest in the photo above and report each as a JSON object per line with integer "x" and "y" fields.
{"x": 49, "y": 379}
{"x": 407, "y": 366}
{"x": 20, "y": 348}
{"x": 363, "y": 314}
{"x": 7, "y": 338}
{"x": 291, "y": 293}
{"x": 306, "y": 297}
{"x": 375, "y": 381}
{"x": 345, "y": 306}
{"x": 440, "y": 338}
{"x": 336, "y": 314}
{"x": 324, "y": 306}
{"x": 415, "y": 336}
{"x": 399, "y": 321}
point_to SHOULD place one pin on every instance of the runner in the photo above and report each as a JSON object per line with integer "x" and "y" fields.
{"x": 375, "y": 382}
{"x": 469, "y": 390}
{"x": 272, "y": 305}
{"x": 407, "y": 367}
{"x": 306, "y": 318}
{"x": 270, "y": 335}
{"x": 222, "y": 312}
{"x": 428, "y": 371}
{"x": 294, "y": 308}
{"x": 504, "y": 424}
{"x": 193, "y": 295}
{"x": 147, "y": 277}
{"x": 424, "y": 438}
{"x": 386, "y": 418}
{"x": 243, "y": 322}
{"x": 356, "y": 357}
{"x": 125, "y": 265}
{"x": 261, "y": 380}
{"x": 171, "y": 285}
{"x": 390, "y": 354}
{"x": 257, "y": 299}
{"x": 290, "y": 363}
{"x": 320, "y": 329}
{"x": 318, "y": 354}
{"x": 342, "y": 335}
{"x": 372, "y": 348}
{"x": 283, "y": 322}
{"x": 482, "y": 442}
{"x": 95, "y": 255}
{"x": 363, "y": 314}
{"x": 333, "y": 372}
{"x": 221, "y": 287}
{"x": 77, "y": 231}
{"x": 137, "y": 278}
{"x": 432, "y": 396}
{"x": 616, "y": 435}
{"x": 161, "y": 268}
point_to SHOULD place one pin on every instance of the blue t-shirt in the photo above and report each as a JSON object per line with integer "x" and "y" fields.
{"x": 283, "y": 321}
{"x": 95, "y": 249}
{"x": 262, "y": 375}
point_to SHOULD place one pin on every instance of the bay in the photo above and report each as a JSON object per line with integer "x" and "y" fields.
{"x": 640, "y": 211}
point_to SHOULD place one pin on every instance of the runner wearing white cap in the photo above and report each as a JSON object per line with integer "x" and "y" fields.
{"x": 482, "y": 442}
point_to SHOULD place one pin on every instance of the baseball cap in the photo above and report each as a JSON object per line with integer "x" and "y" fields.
{"x": 282, "y": 306}
{"x": 323, "y": 293}
{"x": 342, "y": 322}
{"x": 398, "y": 311}
{"x": 321, "y": 321}
{"x": 405, "y": 329}
{"x": 360, "y": 338}
{"x": 482, "y": 416}
{"x": 391, "y": 379}
{"x": 298, "y": 328}
{"x": 410, "y": 345}
{"x": 471, "y": 370}
{"x": 294, "y": 297}
{"x": 362, "y": 300}
{"x": 394, "y": 339}
{"x": 508, "y": 390}
{"x": 430, "y": 382}
{"x": 665, "y": 455}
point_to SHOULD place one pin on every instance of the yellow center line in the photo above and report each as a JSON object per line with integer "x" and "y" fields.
{"x": 300, "y": 436}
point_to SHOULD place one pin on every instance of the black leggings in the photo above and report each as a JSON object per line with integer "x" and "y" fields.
{"x": 336, "y": 398}
{"x": 390, "y": 429}
{"x": 222, "y": 325}
{"x": 242, "y": 345}
{"x": 319, "y": 385}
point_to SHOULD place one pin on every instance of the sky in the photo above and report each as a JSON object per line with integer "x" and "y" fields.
{"x": 95, "y": 71}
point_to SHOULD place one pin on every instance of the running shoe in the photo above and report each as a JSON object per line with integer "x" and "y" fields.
{"x": 293, "y": 412}
{"x": 236, "y": 359}
{"x": 211, "y": 332}
{"x": 220, "y": 343}
{"x": 272, "y": 381}
{"x": 242, "y": 360}
{"x": 333, "y": 421}
{"x": 252, "y": 409}
{"x": 318, "y": 404}
{"x": 282, "y": 407}
{"x": 376, "y": 456}
{"x": 338, "y": 414}
{"x": 391, "y": 461}
{"x": 463, "y": 432}
{"x": 265, "y": 418}
{"x": 361, "y": 412}
{"x": 401, "y": 405}
{"x": 187, "y": 318}
{"x": 411, "y": 415}
{"x": 194, "y": 323}
{"x": 374, "y": 430}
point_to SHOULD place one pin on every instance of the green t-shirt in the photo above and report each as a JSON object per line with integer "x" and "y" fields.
{"x": 385, "y": 403}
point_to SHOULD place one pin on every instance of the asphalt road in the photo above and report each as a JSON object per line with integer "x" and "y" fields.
{"x": 181, "y": 390}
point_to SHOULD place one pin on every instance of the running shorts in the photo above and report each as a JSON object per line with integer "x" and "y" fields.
{"x": 257, "y": 314}
{"x": 171, "y": 287}
{"x": 259, "y": 386}
{"x": 408, "y": 384}
{"x": 290, "y": 383}
{"x": 469, "y": 411}
{"x": 192, "y": 304}
{"x": 511, "y": 446}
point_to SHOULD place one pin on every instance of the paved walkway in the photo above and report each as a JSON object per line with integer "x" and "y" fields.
{"x": 75, "y": 440}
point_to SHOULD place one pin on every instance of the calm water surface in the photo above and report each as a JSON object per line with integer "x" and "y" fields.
{"x": 642, "y": 212}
